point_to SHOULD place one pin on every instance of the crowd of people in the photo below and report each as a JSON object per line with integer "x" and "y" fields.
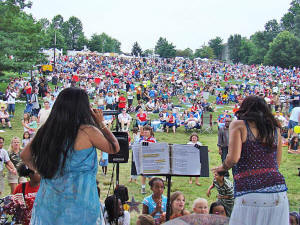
{"x": 63, "y": 118}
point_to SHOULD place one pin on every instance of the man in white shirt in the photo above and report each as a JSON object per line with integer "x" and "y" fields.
{"x": 294, "y": 120}
{"x": 44, "y": 113}
{"x": 4, "y": 159}
{"x": 11, "y": 102}
{"x": 124, "y": 119}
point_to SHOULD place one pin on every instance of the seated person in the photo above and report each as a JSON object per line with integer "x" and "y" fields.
{"x": 142, "y": 119}
{"x": 111, "y": 213}
{"x": 163, "y": 117}
{"x": 200, "y": 206}
{"x": 191, "y": 122}
{"x": 108, "y": 119}
{"x": 124, "y": 118}
{"x": 171, "y": 122}
{"x": 150, "y": 106}
{"x": 294, "y": 147}
{"x": 4, "y": 117}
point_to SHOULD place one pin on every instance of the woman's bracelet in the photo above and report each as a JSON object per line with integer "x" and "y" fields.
{"x": 225, "y": 166}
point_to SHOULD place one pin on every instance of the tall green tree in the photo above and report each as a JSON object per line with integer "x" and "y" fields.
{"x": 20, "y": 37}
{"x": 217, "y": 46}
{"x": 204, "y": 52}
{"x": 104, "y": 43}
{"x": 246, "y": 51}
{"x": 272, "y": 27}
{"x": 234, "y": 45}
{"x": 165, "y": 49}
{"x": 297, "y": 24}
{"x": 284, "y": 51}
{"x": 186, "y": 53}
{"x": 72, "y": 29}
{"x": 288, "y": 20}
{"x": 136, "y": 49}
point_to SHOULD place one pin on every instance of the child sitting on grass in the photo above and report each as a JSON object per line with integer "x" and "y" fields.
{"x": 225, "y": 190}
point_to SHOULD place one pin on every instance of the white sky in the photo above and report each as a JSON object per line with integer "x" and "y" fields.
{"x": 185, "y": 23}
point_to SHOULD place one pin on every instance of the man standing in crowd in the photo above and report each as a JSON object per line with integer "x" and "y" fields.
{"x": 44, "y": 113}
{"x": 122, "y": 102}
{"x": 294, "y": 120}
{"x": 223, "y": 140}
{"x": 8, "y": 164}
{"x": 11, "y": 101}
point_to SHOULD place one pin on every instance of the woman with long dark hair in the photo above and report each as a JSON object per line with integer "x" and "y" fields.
{"x": 63, "y": 152}
{"x": 255, "y": 155}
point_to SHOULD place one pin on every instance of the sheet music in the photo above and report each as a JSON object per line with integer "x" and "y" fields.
{"x": 155, "y": 159}
{"x": 185, "y": 160}
{"x": 136, "y": 149}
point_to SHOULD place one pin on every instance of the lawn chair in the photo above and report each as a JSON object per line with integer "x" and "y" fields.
{"x": 207, "y": 123}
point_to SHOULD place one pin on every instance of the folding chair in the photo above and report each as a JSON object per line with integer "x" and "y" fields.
{"x": 207, "y": 123}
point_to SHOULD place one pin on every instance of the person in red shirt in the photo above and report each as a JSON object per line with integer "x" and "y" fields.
{"x": 122, "y": 102}
{"x": 148, "y": 136}
{"x": 142, "y": 119}
{"x": 28, "y": 189}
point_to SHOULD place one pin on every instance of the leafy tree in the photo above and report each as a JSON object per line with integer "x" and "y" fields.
{"x": 49, "y": 39}
{"x": 288, "y": 20}
{"x": 72, "y": 29}
{"x": 148, "y": 52}
{"x": 20, "y": 37}
{"x": 165, "y": 49}
{"x": 44, "y": 23}
{"x": 273, "y": 28}
{"x": 104, "y": 43}
{"x": 57, "y": 22}
{"x": 234, "y": 45}
{"x": 217, "y": 46}
{"x": 284, "y": 51}
{"x": 136, "y": 49}
{"x": 297, "y": 24}
{"x": 81, "y": 42}
{"x": 204, "y": 52}
{"x": 186, "y": 53}
{"x": 246, "y": 50}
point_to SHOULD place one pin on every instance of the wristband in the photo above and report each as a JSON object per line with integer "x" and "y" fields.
{"x": 225, "y": 166}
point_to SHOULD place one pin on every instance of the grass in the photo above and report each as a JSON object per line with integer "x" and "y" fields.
{"x": 288, "y": 168}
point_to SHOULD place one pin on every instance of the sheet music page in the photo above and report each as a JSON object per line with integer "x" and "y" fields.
{"x": 155, "y": 159}
{"x": 136, "y": 149}
{"x": 185, "y": 160}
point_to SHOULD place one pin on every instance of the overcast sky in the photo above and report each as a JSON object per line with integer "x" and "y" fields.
{"x": 185, "y": 23}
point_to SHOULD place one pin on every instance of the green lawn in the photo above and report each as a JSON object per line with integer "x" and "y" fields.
{"x": 289, "y": 166}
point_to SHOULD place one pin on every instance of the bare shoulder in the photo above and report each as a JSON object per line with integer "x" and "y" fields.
{"x": 84, "y": 135}
{"x": 237, "y": 124}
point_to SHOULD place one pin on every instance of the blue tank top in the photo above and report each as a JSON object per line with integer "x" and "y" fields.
{"x": 71, "y": 198}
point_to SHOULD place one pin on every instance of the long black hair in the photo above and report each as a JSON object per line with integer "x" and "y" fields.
{"x": 111, "y": 206}
{"x": 55, "y": 139}
{"x": 255, "y": 109}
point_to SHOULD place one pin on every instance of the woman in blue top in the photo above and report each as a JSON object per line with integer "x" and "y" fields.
{"x": 64, "y": 153}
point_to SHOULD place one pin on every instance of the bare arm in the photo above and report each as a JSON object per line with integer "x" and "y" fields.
{"x": 145, "y": 209}
{"x": 104, "y": 139}
{"x": 10, "y": 166}
{"x": 26, "y": 156}
{"x": 279, "y": 148}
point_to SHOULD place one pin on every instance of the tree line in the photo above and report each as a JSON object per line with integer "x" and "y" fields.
{"x": 22, "y": 38}
{"x": 278, "y": 44}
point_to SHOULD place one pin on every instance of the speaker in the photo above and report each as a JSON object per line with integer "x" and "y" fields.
{"x": 123, "y": 155}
